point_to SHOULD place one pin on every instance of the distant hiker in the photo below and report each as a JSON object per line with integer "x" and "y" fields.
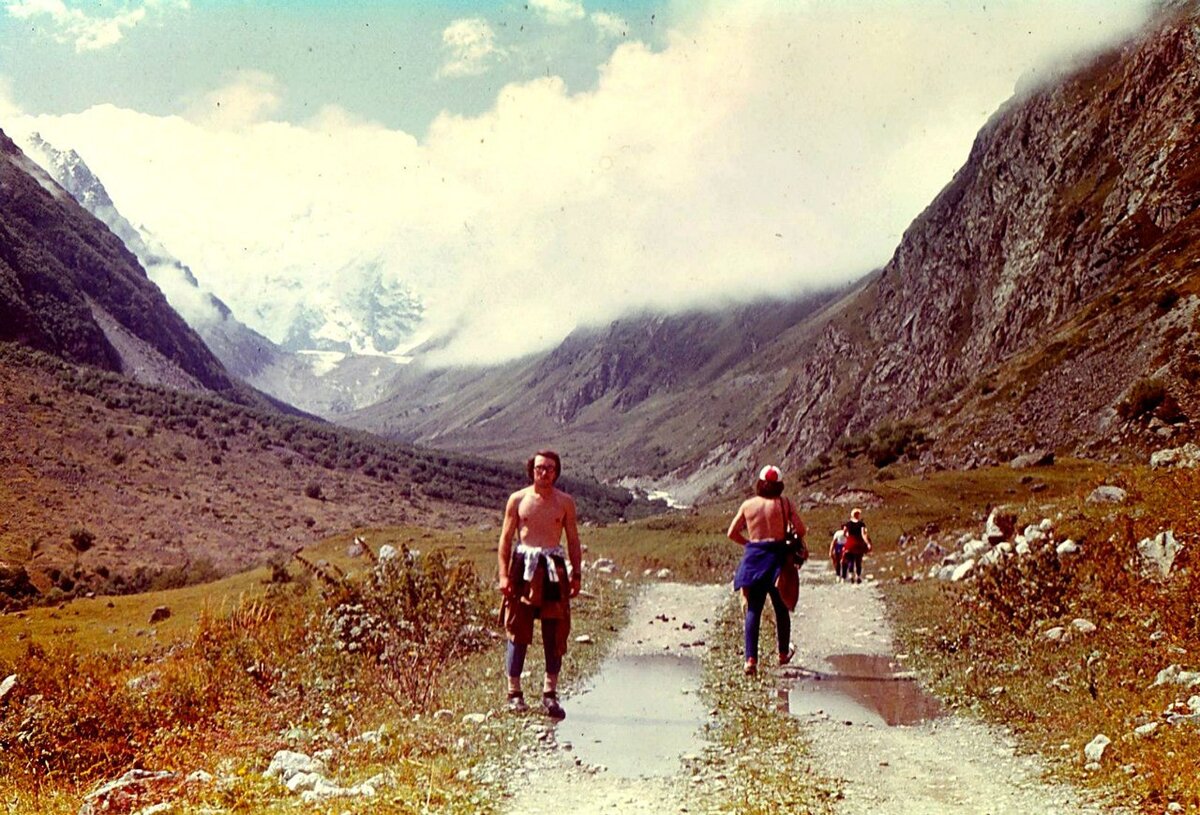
{"x": 858, "y": 543}
{"x": 760, "y": 525}
{"x": 836, "y": 548}
{"x": 535, "y": 579}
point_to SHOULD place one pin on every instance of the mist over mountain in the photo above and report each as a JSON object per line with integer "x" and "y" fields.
{"x": 69, "y": 286}
{"x": 317, "y": 375}
{"x": 1045, "y": 300}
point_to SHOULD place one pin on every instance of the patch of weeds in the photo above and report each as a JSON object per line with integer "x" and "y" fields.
{"x": 759, "y": 750}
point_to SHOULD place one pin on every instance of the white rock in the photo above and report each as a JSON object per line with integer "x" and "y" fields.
{"x": 1146, "y": 729}
{"x": 605, "y": 566}
{"x": 1033, "y": 533}
{"x": 962, "y": 570}
{"x": 1083, "y": 626}
{"x": 1054, "y": 634}
{"x": 584, "y": 638}
{"x": 287, "y": 763}
{"x": 1107, "y": 494}
{"x": 992, "y": 558}
{"x": 199, "y": 777}
{"x": 1175, "y": 675}
{"x": 1095, "y": 748}
{"x": 8, "y": 684}
{"x": 663, "y": 574}
{"x": 387, "y": 552}
{"x": 1187, "y": 456}
{"x": 1047, "y": 525}
{"x": 1158, "y": 554}
{"x": 444, "y": 713}
{"x": 301, "y": 781}
{"x": 974, "y": 548}
{"x": 1067, "y": 547}
{"x": 475, "y": 718}
{"x": 946, "y": 572}
{"x": 1022, "y": 548}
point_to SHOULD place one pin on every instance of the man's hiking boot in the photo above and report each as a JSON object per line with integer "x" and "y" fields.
{"x": 516, "y": 702}
{"x": 784, "y": 659}
{"x": 751, "y": 667}
{"x": 552, "y": 707}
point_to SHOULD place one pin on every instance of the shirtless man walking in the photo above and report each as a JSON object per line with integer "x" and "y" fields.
{"x": 535, "y": 579}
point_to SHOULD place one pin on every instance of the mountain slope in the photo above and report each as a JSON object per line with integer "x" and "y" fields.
{"x": 110, "y": 485}
{"x": 325, "y": 383}
{"x": 1045, "y": 288}
{"x": 635, "y": 397}
{"x": 70, "y": 287}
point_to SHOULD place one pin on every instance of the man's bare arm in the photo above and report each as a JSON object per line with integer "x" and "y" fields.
{"x": 574, "y": 548}
{"x": 504, "y": 550}
{"x": 735, "y": 528}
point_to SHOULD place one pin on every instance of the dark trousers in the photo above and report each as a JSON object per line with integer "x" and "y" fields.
{"x": 851, "y": 564}
{"x": 514, "y": 654}
{"x": 756, "y": 599}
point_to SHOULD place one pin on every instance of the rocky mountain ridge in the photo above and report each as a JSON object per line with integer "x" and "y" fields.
{"x": 1036, "y": 302}
{"x": 70, "y": 287}
{"x": 327, "y": 383}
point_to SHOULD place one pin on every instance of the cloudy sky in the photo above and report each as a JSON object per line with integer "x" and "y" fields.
{"x": 527, "y": 167}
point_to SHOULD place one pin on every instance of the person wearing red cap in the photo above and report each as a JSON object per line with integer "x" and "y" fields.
{"x": 759, "y": 526}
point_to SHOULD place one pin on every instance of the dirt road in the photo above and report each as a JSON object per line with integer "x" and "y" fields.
{"x": 946, "y": 765}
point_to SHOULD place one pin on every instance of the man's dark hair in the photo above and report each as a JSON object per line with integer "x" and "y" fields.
{"x": 550, "y": 454}
{"x": 768, "y": 489}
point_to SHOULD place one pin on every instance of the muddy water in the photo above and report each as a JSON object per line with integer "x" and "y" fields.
{"x": 638, "y": 717}
{"x": 862, "y": 689}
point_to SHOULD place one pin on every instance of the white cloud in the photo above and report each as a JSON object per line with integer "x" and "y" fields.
{"x": 766, "y": 148}
{"x": 247, "y": 98}
{"x": 86, "y": 31}
{"x": 8, "y": 108}
{"x": 609, "y": 25}
{"x": 558, "y": 12}
{"x": 471, "y": 49}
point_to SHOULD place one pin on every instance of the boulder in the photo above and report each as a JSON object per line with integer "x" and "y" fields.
{"x": 159, "y": 614}
{"x": 1001, "y": 524}
{"x": 1107, "y": 494}
{"x": 1083, "y": 626}
{"x": 134, "y": 790}
{"x": 932, "y": 553}
{"x": 287, "y": 763}
{"x": 7, "y": 685}
{"x": 1157, "y": 555}
{"x": 1067, "y": 547}
{"x": 1187, "y": 456}
{"x": 962, "y": 570}
{"x": 1036, "y": 458}
{"x": 974, "y": 548}
{"x": 1176, "y": 675}
{"x": 1095, "y": 748}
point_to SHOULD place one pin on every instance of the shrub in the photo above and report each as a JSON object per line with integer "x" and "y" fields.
{"x": 409, "y": 617}
{"x": 82, "y": 539}
{"x": 1168, "y": 298}
{"x": 893, "y": 441}
{"x": 313, "y": 490}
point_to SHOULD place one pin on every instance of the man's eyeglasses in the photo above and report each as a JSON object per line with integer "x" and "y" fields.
{"x": 543, "y": 468}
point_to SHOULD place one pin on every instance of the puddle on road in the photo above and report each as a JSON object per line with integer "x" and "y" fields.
{"x": 864, "y": 689}
{"x": 636, "y": 718}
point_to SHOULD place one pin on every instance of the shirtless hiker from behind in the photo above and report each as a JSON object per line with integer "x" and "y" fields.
{"x": 534, "y": 577}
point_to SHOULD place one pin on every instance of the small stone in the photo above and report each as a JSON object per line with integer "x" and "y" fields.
{"x": 1094, "y": 751}
{"x": 1083, "y": 626}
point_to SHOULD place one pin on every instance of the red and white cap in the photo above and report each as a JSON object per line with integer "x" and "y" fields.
{"x": 770, "y": 473}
